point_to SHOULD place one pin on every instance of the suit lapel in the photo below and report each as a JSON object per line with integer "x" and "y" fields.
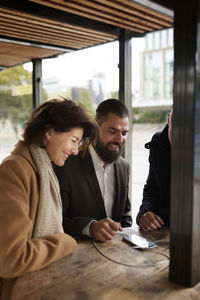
{"x": 118, "y": 179}
{"x": 93, "y": 184}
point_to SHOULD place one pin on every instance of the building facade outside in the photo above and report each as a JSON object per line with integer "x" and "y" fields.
{"x": 156, "y": 70}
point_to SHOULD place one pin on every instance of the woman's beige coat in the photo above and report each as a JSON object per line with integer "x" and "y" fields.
{"x": 19, "y": 196}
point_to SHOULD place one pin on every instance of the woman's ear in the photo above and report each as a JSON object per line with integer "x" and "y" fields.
{"x": 49, "y": 134}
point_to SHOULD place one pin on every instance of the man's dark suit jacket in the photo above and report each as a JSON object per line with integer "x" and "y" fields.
{"x": 156, "y": 193}
{"x": 81, "y": 195}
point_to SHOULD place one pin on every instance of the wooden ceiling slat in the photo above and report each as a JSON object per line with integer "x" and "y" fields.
{"x": 69, "y": 44}
{"x": 22, "y": 56}
{"x": 22, "y": 53}
{"x": 144, "y": 10}
{"x": 111, "y": 18}
{"x": 19, "y": 48}
{"x": 93, "y": 15}
{"x": 27, "y": 18}
{"x": 37, "y": 36}
{"x": 110, "y": 8}
{"x": 94, "y": 10}
{"x": 143, "y": 13}
{"x": 59, "y": 33}
{"x": 139, "y": 11}
{"x": 43, "y": 39}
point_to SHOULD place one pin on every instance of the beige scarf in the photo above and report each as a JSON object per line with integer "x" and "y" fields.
{"x": 49, "y": 212}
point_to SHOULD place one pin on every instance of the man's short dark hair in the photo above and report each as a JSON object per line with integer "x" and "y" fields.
{"x": 113, "y": 106}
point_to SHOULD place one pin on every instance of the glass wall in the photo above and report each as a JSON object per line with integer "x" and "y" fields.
{"x": 157, "y": 66}
{"x": 15, "y": 105}
{"x": 169, "y": 62}
{"x": 152, "y": 84}
{"x": 155, "y": 63}
{"x": 89, "y": 75}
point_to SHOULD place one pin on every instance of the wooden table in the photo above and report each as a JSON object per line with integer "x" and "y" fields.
{"x": 88, "y": 275}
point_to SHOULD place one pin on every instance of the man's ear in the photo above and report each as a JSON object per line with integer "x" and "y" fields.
{"x": 169, "y": 118}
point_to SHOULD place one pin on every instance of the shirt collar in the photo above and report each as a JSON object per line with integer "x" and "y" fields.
{"x": 97, "y": 161}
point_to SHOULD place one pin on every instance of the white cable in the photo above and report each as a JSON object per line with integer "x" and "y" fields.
{"x": 136, "y": 265}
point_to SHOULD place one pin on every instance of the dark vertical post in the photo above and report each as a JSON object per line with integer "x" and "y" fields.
{"x": 185, "y": 179}
{"x": 125, "y": 91}
{"x": 37, "y": 82}
{"x": 125, "y": 82}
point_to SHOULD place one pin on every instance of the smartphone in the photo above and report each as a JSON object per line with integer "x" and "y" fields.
{"x": 139, "y": 241}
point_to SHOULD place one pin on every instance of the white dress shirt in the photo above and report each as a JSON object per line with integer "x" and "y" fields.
{"x": 106, "y": 181}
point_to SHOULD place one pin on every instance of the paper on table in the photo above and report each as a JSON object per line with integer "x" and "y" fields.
{"x": 127, "y": 231}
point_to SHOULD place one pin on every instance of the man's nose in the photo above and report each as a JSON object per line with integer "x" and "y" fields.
{"x": 120, "y": 138}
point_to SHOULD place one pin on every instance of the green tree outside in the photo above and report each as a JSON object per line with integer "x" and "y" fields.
{"x": 114, "y": 94}
{"x": 13, "y": 105}
{"x": 16, "y": 95}
{"x": 86, "y": 100}
{"x": 147, "y": 116}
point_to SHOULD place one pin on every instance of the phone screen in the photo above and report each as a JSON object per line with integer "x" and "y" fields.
{"x": 139, "y": 241}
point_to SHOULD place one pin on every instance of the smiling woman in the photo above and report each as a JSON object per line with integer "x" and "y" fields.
{"x": 31, "y": 233}
{"x": 60, "y": 145}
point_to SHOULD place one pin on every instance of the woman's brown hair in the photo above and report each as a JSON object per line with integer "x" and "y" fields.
{"x": 62, "y": 116}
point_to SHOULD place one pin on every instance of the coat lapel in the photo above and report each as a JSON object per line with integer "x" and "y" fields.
{"x": 93, "y": 184}
{"x": 118, "y": 179}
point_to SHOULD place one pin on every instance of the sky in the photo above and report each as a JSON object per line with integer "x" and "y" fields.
{"x": 76, "y": 68}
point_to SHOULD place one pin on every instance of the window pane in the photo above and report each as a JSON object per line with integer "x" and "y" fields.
{"x": 15, "y": 105}
{"x": 155, "y": 75}
{"x": 146, "y": 68}
{"x": 168, "y": 74}
{"x": 170, "y": 37}
{"x": 149, "y": 40}
{"x": 163, "y": 38}
{"x": 88, "y": 75}
{"x": 157, "y": 40}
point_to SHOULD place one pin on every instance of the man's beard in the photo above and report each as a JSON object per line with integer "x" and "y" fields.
{"x": 105, "y": 154}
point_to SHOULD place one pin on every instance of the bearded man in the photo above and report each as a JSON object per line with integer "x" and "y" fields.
{"x": 94, "y": 187}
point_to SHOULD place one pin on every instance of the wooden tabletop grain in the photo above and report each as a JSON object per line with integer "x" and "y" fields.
{"x": 112, "y": 271}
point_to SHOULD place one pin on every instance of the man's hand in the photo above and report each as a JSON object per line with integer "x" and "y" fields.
{"x": 150, "y": 221}
{"x": 104, "y": 230}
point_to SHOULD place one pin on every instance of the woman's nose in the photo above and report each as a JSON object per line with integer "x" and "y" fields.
{"x": 75, "y": 149}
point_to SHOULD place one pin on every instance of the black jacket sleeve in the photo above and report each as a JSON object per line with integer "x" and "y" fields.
{"x": 151, "y": 194}
{"x": 156, "y": 192}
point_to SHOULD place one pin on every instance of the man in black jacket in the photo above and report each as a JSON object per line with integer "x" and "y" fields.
{"x": 94, "y": 187}
{"x": 155, "y": 209}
